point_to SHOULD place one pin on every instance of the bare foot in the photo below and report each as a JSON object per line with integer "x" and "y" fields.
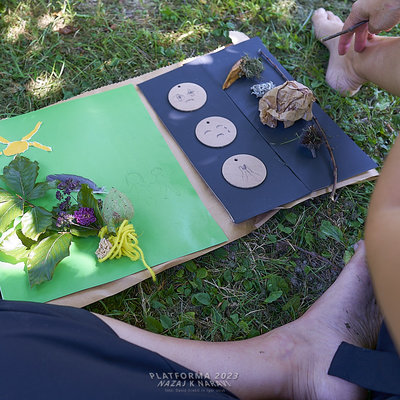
{"x": 290, "y": 362}
{"x": 340, "y": 74}
{"x": 346, "y": 312}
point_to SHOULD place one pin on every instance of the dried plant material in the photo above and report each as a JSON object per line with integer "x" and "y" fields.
{"x": 316, "y": 122}
{"x": 288, "y": 103}
{"x": 246, "y": 66}
{"x": 67, "y": 30}
{"x": 311, "y": 139}
{"x": 261, "y": 88}
{"x": 234, "y": 74}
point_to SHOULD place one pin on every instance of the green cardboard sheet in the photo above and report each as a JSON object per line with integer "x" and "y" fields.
{"x": 110, "y": 138}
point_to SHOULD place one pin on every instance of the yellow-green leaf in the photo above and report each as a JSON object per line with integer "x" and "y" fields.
{"x": 35, "y": 222}
{"x": 44, "y": 257}
{"x": 12, "y": 245}
{"x": 10, "y": 208}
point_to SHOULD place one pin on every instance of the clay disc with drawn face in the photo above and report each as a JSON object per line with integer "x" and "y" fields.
{"x": 244, "y": 171}
{"x": 187, "y": 96}
{"x": 216, "y": 131}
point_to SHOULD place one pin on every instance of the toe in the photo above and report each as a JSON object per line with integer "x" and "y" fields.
{"x": 330, "y": 15}
{"x": 319, "y": 14}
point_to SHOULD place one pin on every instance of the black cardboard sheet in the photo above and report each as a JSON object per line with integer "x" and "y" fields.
{"x": 350, "y": 159}
{"x": 292, "y": 172}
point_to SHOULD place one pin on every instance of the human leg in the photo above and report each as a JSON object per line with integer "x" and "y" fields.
{"x": 54, "y": 352}
{"x": 289, "y": 362}
{"x": 378, "y": 63}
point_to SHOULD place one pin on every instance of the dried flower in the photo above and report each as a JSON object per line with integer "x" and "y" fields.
{"x": 66, "y": 204}
{"x": 104, "y": 248}
{"x": 59, "y": 195}
{"x": 288, "y": 102}
{"x": 68, "y": 186}
{"x": 64, "y": 219}
{"x": 85, "y": 216}
{"x": 311, "y": 139}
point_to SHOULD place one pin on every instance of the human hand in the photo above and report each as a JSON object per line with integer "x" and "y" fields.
{"x": 382, "y": 15}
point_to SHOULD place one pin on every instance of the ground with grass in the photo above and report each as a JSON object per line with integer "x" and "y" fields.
{"x": 270, "y": 276}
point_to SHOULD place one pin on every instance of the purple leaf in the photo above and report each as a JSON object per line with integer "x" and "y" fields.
{"x": 79, "y": 179}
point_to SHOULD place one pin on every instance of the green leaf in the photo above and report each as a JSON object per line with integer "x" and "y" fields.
{"x": 10, "y": 208}
{"x": 309, "y": 238}
{"x": 116, "y": 208}
{"x": 273, "y": 296}
{"x": 327, "y": 229}
{"x": 276, "y": 283}
{"x": 81, "y": 231}
{"x": 292, "y": 303}
{"x": 291, "y": 217}
{"x": 12, "y": 245}
{"x": 44, "y": 257}
{"x": 228, "y": 276}
{"x": 35, "y": 222}
{"x": 220, "y": 253}
{"x": 188, "y": 316}
{"x": 25, "y": 240}
{"x": 203, "y": 298}
{"x": 347, "y": 256}
{"x": 284, "y": 229}
{"x": 153, "y": 325}
{"x": 189, "y": 330}
{"x": 40, "y": 189}
{"x": 235, "y": 318}
{"x": 271, "y": 238}
{"x": 248, "y": 285}
{"x": 156, "y": 304}
{"x": 166, "y": 321}
{"x": 191, "y": 266}
{"x": 20, "y": 175}
{"x": 86, "y": 199}
{"x": 201, "y": 273}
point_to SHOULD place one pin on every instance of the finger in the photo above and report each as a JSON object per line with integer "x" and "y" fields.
{"x": 344, "y": 43}
{"x": 345, "y": 39}
{"x": 360, "y": 41}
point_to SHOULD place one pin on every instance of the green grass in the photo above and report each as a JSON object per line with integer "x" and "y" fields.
{"x": 269, "y": 277}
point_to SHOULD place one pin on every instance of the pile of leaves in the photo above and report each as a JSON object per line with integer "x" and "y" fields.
{"x": 40, "y": 237}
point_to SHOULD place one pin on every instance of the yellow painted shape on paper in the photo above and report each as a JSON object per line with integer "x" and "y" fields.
{"x": 20, "y": 146}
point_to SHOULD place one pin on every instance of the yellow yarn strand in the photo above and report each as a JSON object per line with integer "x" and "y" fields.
{"x": 125, "y": 243}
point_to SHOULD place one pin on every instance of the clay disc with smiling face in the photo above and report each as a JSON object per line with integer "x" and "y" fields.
{"x": 216, "y": 131}
{"x": 187, "y": 96}
{"x": 244, "y": 171}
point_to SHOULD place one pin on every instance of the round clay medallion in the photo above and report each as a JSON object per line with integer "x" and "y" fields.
{"x": 244, "y": 171}
{"x": 187, "y": 96}
{"x": 216, "y": 131}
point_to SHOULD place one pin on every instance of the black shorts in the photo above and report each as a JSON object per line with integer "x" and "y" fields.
{"x": 55, "y": 352}
{"x": 377, "y": 370}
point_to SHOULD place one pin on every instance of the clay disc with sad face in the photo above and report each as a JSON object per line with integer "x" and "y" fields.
{"x": 187, "y": 96}
{"x": 216, "y": 131}
{"x": 244, "y": 171}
